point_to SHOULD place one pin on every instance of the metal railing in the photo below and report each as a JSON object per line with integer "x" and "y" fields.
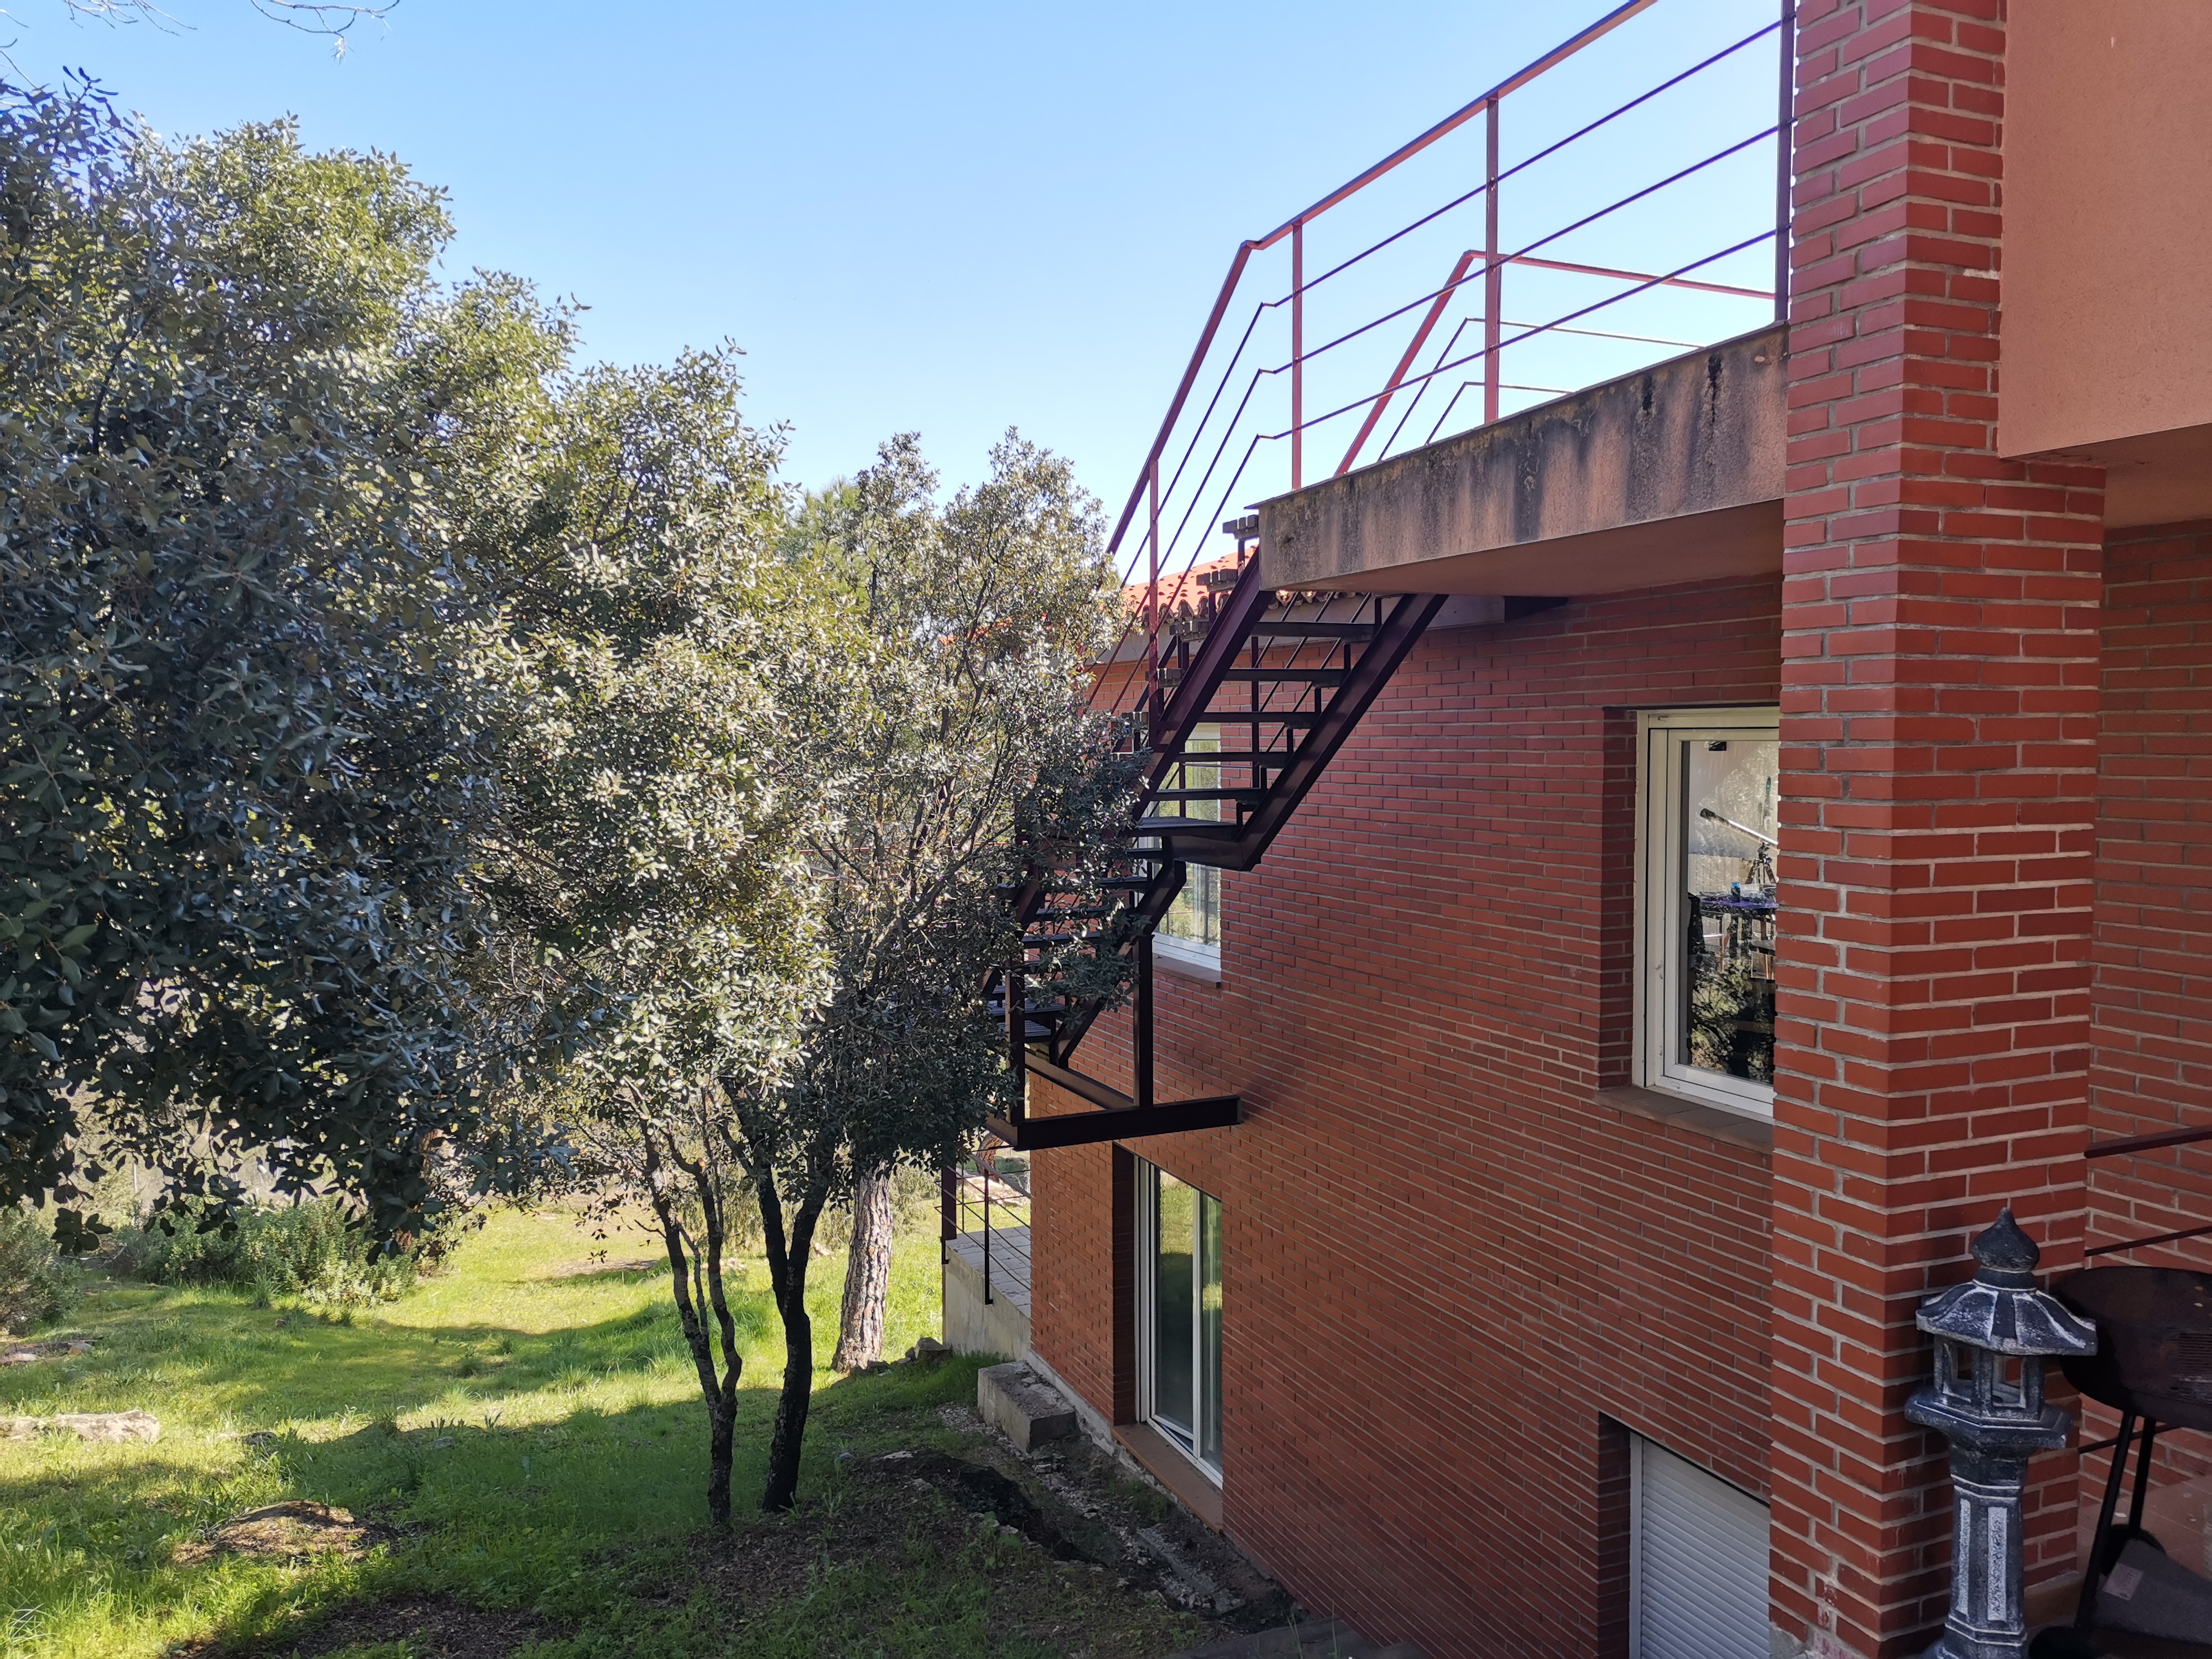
{"x": 1606, "y": 279}
{"x": 2133, "y": 1146}
{"x": 988, "y": 1191}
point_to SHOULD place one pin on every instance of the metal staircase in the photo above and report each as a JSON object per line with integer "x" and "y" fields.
{"x": 1283, "y": 677}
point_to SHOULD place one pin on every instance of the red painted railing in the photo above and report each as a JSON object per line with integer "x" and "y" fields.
{"x": 1669, "y": 245}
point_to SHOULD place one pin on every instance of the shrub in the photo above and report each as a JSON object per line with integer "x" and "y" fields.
{"x": 36, "y": 1287}
{"x": 315, "y": 1251}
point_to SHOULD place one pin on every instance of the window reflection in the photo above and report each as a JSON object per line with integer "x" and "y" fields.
{"x": 1726, "y": 1018}
{"x": 1184, "y": 1263}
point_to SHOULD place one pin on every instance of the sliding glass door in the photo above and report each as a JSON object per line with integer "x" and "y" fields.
{"x": 1179, "y": 1234}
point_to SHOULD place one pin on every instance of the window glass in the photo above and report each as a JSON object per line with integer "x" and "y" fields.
{"x": 1195, "y": 917}
{"x": 1706, "y": 907}
{"x": 1725, "y": 1022}
{"x": 1209, "y": 1329}
{"x": 1181, "y": 1290}
{"x": 1174, "y": 1306}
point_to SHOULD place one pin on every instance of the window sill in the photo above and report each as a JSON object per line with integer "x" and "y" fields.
{"x": 1677, "y": 1111}
{"x": 1161, "y": 1459}
{"x": 1186, "y": 960}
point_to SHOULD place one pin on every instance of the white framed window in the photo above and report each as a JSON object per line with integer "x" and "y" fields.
{"x": 1189, "y": 935}
{"x": 1179, "y": 1314}
{"x": 1706, "y": 833}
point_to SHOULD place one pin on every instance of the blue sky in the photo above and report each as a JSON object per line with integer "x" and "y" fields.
{"x": 947, "y": 218}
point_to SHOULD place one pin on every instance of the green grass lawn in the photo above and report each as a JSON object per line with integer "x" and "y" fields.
{"x": 531, "y": 1422}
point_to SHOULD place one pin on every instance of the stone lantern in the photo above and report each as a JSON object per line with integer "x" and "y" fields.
{"x": 1993, "y": 1334}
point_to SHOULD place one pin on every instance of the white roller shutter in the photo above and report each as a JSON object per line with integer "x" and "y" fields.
{"x": 1698, "y": 1578}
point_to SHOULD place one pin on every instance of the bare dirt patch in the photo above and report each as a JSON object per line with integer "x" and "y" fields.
{"x": 1062, "y": 1551}
{"x": 292, "y": 1531}
{"x": 18, "y": 1352}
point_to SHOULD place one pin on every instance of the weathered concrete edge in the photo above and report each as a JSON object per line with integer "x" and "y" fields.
{"x": 1699, "y": 433}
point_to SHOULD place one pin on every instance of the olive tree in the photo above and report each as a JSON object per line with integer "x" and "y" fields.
{"x": 240, "y": 782}
{"x": 659, "y": 683}
{"x": 979, "y": 619}
{"x": 768, "y": 796}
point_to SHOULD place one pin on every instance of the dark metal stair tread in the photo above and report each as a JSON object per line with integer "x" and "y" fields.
{"x": 1188, "y": 826}
{"x": 1326, "y": 1639}
{"x": 1288, "y": 627}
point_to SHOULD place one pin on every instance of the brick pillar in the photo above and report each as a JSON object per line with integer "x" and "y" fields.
{"x": 1939, "y": 730}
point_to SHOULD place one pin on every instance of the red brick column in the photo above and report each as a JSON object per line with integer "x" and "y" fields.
{"x": 1939, "y": 730}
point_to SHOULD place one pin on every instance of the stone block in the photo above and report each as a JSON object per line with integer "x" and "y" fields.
{"x": 1011, "y": 1399}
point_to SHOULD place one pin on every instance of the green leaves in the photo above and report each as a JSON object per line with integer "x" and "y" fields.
{"x": 242, "y": 783}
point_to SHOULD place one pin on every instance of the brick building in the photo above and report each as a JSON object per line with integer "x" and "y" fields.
{"x": 1788, "y": 840}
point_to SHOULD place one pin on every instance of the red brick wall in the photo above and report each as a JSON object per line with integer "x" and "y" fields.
{"x": 1939, "y": 733}
{"x": 2150, "y": 1065}
{"x": 2151, "y": 1068}
{"x": 1447, "y": 1263}
{"x": 1071, "y": 1305}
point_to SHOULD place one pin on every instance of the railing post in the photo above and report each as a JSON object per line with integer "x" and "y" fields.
{"x": 1017, "y": 1032}
{"x": 1785, "y": 121}
{"x": 1297, "y": 352}
{"x": 983, "y": 1167}
{"x": 1493, "y": 276}
{"x": 1142, "y": 1047}
{"x": 948, "y": 1211}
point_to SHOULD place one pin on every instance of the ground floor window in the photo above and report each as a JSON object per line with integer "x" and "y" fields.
{"x": 1698, "y": 1568}
{"x": 1707, "y": 830}
{"x": 1179, "y": 1313}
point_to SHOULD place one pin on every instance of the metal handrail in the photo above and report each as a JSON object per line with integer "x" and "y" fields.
{"x": 1157, "y": 493}
{"x": 1404, "y": 153}
{"x": 957, "y": 1205}
{"x": 2128, "y": 1146}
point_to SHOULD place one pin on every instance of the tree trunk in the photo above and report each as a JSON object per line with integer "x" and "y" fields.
{"x": 697, "y": 1282}
{"x": 788, "y": 1255}
{"x": 792, "y": 1406}
{"x": 867, "y": 1276}
{"x": 721, "y": 1444}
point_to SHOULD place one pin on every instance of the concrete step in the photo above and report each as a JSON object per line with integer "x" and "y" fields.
{"x": 1330, "y": 1638}
{"x": 1030, "y": 1412}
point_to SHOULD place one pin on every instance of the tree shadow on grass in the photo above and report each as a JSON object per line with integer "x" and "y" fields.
{"x": 522, "y": 1478}
{"x": 589, "y": 1520}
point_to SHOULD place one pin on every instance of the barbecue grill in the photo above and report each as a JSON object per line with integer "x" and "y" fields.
{"x": 2154, "y": 1366}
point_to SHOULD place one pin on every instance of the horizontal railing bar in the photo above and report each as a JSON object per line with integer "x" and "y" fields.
{"x": 1532, "y": 329}
{"x": 1545, "y": 154}
{"x": 1522, "y": 254}
{"x": 1227, "y": 489}
{"x": 1183, "y": 390}
{"x": 1484, "y": 351}
{"x": 1611, "y": 334}
{"x": 2146, "y": 1143}
{"x": 1199, "y": 489}
{"x": 1639, "y": 276}
{"x": 1198, "y": 431}
{"x": 1458, "y": 119}
{"x": 2145, "y": 1244}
